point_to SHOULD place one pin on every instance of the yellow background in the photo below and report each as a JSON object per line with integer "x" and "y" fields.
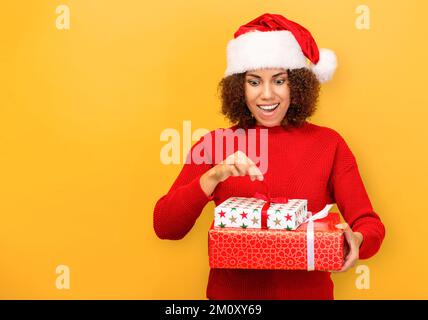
{"x": 81, "y": 112}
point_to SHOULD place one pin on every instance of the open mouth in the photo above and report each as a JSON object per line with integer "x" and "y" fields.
{"x": 269, "y": 108}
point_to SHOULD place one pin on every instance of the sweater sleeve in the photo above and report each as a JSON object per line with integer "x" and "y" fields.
{"x": 353, "y": 202}
{"x": 176, "y": 212}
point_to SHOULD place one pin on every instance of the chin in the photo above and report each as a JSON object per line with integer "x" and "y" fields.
{"x": 270, "y": 124}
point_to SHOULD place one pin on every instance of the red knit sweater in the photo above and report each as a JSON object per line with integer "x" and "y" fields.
{"x": 310, "y": 162}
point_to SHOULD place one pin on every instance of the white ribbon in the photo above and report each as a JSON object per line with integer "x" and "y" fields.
{"x": 310, "y": 234}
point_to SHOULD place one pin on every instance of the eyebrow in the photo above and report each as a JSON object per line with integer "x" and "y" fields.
{"x": 275, "y": 75}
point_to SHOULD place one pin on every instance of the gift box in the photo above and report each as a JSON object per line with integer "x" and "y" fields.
{"x": 239, "y": 212}
{"x": 314, "y": 245}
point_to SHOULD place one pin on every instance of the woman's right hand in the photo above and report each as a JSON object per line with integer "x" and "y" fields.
{"x": 237, "y": 164}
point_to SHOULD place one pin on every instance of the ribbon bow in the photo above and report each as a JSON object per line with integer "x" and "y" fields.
{"x": 310, "y": 234}
{"x": 266, "y": 197}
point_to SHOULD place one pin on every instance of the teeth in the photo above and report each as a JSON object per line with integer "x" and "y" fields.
{"x": 267, "y": 108}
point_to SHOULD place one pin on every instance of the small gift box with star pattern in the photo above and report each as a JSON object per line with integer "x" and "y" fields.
{"x": 239, "y": 212}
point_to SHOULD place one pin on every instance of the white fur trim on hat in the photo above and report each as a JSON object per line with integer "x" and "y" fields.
{"x": 326, "y": 65}
{"x": 268, "y": 49}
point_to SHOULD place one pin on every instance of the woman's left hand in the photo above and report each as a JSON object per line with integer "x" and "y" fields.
{"x": 352, "y": 250}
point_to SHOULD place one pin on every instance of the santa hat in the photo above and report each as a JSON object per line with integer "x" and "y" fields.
{"x": 273, "y": 41}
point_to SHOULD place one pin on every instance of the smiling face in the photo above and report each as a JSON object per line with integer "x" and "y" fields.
{"x": 267, "y": 95}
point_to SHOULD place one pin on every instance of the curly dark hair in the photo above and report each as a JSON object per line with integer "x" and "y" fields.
{"x": 304, "y": 92}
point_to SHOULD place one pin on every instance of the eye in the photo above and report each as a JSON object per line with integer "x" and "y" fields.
{"x": 280, "y": 81}
{"x": 252, "y": 82}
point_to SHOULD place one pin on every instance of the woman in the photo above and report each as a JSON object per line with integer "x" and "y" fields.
{"x": 271, "y": 84}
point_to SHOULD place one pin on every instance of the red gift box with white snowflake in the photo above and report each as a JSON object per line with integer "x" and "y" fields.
{"x": 314, "y": 245}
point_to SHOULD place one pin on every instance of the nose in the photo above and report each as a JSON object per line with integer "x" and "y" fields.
{"x": 267, "y": 91}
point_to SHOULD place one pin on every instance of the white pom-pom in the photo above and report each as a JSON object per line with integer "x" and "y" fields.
{"x": 326, "y": 65}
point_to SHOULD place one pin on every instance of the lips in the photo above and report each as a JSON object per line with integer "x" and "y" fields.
{"x": 268, "y": 108}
